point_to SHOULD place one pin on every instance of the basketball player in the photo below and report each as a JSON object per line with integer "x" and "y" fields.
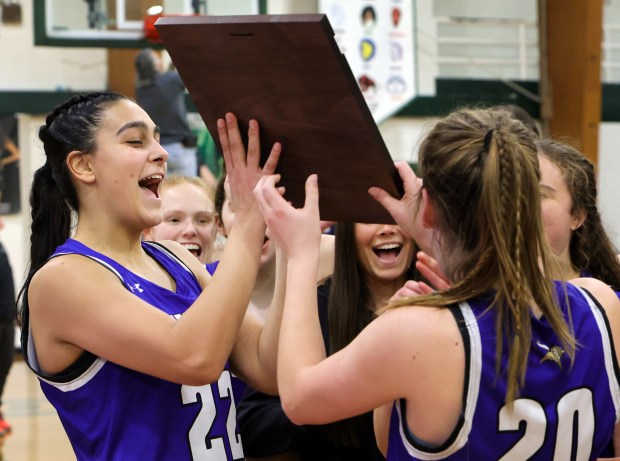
{"x": 506, "y": 363}
{"x": 131, "y": 340}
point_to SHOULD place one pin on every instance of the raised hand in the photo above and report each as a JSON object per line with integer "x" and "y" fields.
{"x": 243, "y": 171}
{"x": 404, "y": 210}
{"x": 294, "y": 230}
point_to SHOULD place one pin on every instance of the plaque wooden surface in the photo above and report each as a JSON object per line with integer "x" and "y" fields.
{"x": 287, "y": 72}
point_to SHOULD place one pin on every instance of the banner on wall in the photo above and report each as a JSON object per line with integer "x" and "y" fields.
{"x": 377, "y": 38}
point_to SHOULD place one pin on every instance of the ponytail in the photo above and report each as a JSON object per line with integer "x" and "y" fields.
{"x": 51, "y": 217}
{"x": 489, "y": 215}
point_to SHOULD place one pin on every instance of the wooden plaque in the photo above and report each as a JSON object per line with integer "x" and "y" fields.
{"x": 287, "y": 72}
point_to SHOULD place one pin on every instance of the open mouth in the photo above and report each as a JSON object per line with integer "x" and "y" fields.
{"x": 193, "y": 248}
{"x": 151, "y": 183}
{"x": 388, "y": 252}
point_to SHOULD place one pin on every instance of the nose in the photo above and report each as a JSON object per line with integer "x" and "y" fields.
{"x": 159, "y": 155}
{"x": 388, "y": 229}
{"x": 189, "y": 228}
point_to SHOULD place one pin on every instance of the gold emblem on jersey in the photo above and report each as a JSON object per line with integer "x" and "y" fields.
{"x": 554, "y": 354}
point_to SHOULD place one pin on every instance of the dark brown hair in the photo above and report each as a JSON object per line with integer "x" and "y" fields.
{"x": 71, "y": 126}
{"x": 591, "y": 252}
{"x": 351, "y": 307}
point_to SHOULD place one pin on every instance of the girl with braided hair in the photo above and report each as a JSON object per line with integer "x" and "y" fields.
{"x": 504, "y": 364}
{"x": 132, "y": 341}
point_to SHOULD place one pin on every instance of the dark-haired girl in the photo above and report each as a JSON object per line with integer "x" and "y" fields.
{"x": 571, "y": 219}
{"x": 371, "y": 262}
{"x": 131, "y": 340}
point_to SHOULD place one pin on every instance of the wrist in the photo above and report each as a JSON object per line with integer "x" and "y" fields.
{"x": 249, "y": 230}
{"x": 304, "y": 259}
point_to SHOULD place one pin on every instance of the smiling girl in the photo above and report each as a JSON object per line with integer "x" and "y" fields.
{"x": 133, "y": 342}
{"x": 506, "y": 363}
{"x": 188, "y": 216}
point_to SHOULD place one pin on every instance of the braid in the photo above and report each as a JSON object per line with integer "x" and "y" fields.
{"x": 72, "y": 126}
{"x": 488, "y": 211}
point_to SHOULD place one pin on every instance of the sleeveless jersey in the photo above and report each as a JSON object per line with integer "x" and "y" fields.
{"x": 561, "y": 413}
{"x": 113, "y": 413}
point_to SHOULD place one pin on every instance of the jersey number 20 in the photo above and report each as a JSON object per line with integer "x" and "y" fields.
{"x": 574, "y": 409}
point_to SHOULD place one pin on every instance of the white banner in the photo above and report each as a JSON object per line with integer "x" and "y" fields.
{"x": 377, "y": 37}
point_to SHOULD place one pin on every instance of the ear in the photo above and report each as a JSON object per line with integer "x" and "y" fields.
{"x": 427, "y": 210}
{"x": 80, "y": 166}
{"x": 578, "y": 219}
{"x": 219, "y": 225}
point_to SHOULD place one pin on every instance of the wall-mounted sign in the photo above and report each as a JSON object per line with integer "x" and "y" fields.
{"x": 377, "y": 37}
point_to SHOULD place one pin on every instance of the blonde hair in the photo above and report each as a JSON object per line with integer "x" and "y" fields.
{"x": 176, "y": 180}
{"x": 480, "y": 169}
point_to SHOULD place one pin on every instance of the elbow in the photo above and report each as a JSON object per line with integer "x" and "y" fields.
{"x": 293, "y": 408}
{"x": 200, "y": 378}
{"x": 201, "y": 371}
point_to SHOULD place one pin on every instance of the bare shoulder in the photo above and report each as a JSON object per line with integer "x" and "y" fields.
{"x": 424, "y": 320}
{"x": 610, "y": 302}
{"x": 56, "y": 272}
{"x": 600, "y": 290}
{"x": 62, "y": 274}
{"x": 410, "y": 341}
{"x": 419, "y": 331}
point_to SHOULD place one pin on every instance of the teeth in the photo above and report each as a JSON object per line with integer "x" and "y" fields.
{"x": 192, "y": 246}
{"x": 388, "y": 246}
{"x": 151, "y": 177}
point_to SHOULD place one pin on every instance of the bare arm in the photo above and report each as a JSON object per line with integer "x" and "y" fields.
{"x": 610, "y": 302}
{"x": 256, "y": 350}
{"x": 301, "y": 359}
{"x": 381, "y": 423}
{"x": 326, "y": 258}
{"x": 255, "y": 353}
{"x": 373, "y": 369}
{"x": 107, "y": 320}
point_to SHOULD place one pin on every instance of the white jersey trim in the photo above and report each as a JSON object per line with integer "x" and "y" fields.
{"x": 93, "y": 369}
{"x": 171, "y": 255}
{"x": 474, "y": 375}
{"x": 614, "y": 386}
{"x": 80, "y": 381}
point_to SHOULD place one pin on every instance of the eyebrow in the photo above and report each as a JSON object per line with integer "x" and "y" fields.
{"x": 137, "y": 124}
{"x": 545, "y": 186}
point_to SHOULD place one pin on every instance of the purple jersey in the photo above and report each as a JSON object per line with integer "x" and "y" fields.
{"x": 113, "y": 413}
{"x": 562, "y": 412}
